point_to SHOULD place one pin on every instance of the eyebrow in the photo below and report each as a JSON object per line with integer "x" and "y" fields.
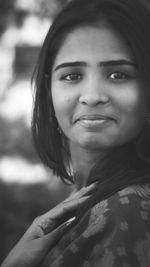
{"x": 117, "y": 63}
{"x": 108, "y": 63}
{"x": 71, "y": 64}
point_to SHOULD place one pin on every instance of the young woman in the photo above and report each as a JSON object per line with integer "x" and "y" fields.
{"x": 91, "y": 125}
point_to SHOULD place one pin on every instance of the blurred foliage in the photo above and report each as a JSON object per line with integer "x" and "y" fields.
{"x": 7, "y": 8}
{"x": 19, "y": 205}
{"x": 49, "y": 8}
{"x": 44, "y": 8}
{"x": 16, "y": 139}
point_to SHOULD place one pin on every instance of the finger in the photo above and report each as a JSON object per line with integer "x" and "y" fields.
{"x": 83, "y": 191}
{"x": 37, "y": 249}
{"x": 50, "y": 240}
{"x": 32, "y": 253}
{"x": 58, "y": 214}
{"x": 63, "y": 211}
{"x": 48, "y": 222}
{"x": 65, "y": 208}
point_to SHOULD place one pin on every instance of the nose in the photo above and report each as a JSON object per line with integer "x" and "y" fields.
{"x": 93, "y": 94}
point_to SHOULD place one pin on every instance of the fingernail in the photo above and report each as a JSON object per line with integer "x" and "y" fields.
{"x": 64, "y": 225}
{"x": 70, "y": 221}
{"x": 95, "y": 183}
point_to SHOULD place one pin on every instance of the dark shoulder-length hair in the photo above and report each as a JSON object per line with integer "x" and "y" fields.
{"x": 131, "y": 21}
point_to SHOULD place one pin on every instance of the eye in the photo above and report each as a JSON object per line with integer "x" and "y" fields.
{"x": 119, "y": 76}
{"x": 72, "y": 77}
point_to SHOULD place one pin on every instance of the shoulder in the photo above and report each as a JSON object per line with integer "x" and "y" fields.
{"x": 130, "y": 199}
{"x": 124, "y": 218}
{"x": 123, "y": 208}
{"x": 141, "y": 191}
{"x": 127, "y": 226}
{"x": 120, "y": 228}
{"x": 130, "y": 204}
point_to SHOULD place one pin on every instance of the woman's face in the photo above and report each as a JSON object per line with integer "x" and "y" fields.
{"x": 98, "y": 98}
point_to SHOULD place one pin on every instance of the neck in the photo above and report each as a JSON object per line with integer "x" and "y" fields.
{"x": 82, "y": 162}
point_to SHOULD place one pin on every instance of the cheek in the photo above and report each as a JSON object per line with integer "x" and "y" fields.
{"x": 133, "y": 109}
{"x": 63, "y": 105}
{"x": 132, "y": 102}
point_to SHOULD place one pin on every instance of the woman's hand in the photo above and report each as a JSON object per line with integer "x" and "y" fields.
{"x": 45, "y": 231}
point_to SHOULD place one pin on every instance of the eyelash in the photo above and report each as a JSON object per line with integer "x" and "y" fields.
{"x": 79, "y": 76}
{"x": 65, "y": 77}
{"x": 126, "y": 76}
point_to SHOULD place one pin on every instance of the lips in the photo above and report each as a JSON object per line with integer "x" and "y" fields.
{"x": 93, "y": 117}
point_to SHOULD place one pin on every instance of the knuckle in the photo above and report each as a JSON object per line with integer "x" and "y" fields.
{"x": 45, "y": 224}
{"x": 67, "y": 207}
{"x": 37, "y": 220}
{"x": 83, "y": 190}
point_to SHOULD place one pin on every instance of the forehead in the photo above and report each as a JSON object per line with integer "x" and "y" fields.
{"x": 95, "y": 40}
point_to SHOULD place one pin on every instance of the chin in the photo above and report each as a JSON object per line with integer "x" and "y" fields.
{"x": 93, "y": 143}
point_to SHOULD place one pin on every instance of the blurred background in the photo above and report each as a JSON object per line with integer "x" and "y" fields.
{"x": 27, "y": 188}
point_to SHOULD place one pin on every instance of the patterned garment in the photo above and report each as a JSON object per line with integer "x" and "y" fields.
{"x": 113, "y": 233}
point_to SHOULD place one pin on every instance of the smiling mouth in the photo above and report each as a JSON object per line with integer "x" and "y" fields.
{"x": 93, "y": 118}
{"x": 93, "y": 121}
